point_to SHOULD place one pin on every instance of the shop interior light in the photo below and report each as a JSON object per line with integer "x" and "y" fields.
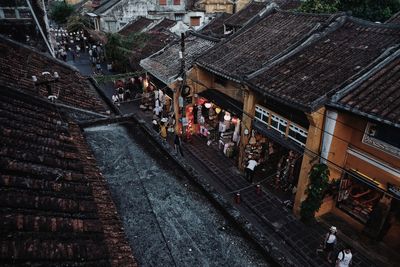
{"x": 227, "y": 116}
{"x": 208, "y": 105}
{"x": 217, "y": 110}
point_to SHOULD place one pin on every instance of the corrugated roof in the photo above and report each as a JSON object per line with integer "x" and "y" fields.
{"x": 105, "y": 5}
{"x": 307, "y": 78}
{"x": 166, "y": 64}
{"x": 394, "y": 19}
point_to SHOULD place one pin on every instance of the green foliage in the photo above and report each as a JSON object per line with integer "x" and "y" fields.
{"x": 119, "y": 48}
{"x": 319, "y": 183}
{"x": 77, "y": 23}
{"x": 60, "y": 11}
{"x": 320, "y": 6}
{"x": 374, "y": 10}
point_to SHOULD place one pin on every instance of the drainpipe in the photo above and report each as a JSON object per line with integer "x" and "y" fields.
{"x": 329, "y": 128}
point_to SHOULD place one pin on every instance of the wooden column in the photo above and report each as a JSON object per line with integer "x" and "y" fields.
{"x": 248, "y": 114}
{"x": 311, "y": 155}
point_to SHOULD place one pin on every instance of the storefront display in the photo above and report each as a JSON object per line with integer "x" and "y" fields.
{"x": 220, "y": 127}
{"x": 357, "y": 198}
{"x": 277, "y": 161}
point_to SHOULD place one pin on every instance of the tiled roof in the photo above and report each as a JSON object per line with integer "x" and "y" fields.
{"x": 216, "y": 26}
{"x": 377, "y": 95}
{"x": 307, "y": 78}
{"x": 248, "y": 50}
{"x": 136, "y": 26}
{"x": 245, "y": 14}
{"x": 55, "y": 206}
{"x": 155, "y": 41}
{"x": 105, "y": 5}
{"x": 394, "y": 19}
{"x": 164, "y": 24}
{"x": 288, "y": 4}
{"x": 19, "y": 63}
{"x": 166, "y": 64}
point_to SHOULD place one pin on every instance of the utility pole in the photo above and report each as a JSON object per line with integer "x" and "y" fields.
{"x": 183, "y": 82}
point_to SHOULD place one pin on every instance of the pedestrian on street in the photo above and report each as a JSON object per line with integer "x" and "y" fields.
{"x": 249, "y": 171}
{"x": 178, "y": 144}
{"x": 329, "y": 243}
{"x": 344, "y": 257}
{"x": 163, "y": 128}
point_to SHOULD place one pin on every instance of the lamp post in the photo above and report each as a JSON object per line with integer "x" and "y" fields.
{"x": 47, "y": 79}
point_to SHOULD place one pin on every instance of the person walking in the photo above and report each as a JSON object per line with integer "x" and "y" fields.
{"x": 249, "y": 171}
{"x": 344, "y": 257}
{"x": 177, "y": 144}
{"x": 329, "y": 243}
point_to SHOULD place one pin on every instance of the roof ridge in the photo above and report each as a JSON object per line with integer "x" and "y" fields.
{"x": 318, "y": 32}
{"x": 388, "y": 56}
{"x": 366, "y": 23}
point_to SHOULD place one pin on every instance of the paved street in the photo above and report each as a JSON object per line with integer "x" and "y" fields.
{"x": 264, "y": 211}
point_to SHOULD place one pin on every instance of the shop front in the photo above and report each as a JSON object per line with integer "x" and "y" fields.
{"x": 368, "y": 198}
{"x": 216, "y": 118}
{"x": 278, "y": 145}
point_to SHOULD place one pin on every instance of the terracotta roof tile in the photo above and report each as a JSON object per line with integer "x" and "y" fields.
{"x": 51, "y": 192}
{"x": 245, "y": 14}
{"x": 154, "y": 42}
{"x": 19, "y": 63}
{"x": 164, "y": 24}
{"x": 136, "y": 26}
{"x": 216, "y": 26}
{"x": 308, "y": 77}
{"x": 378, "y": 95}
{"x": 165, "y": 65}
{"x": 248, "y": 50}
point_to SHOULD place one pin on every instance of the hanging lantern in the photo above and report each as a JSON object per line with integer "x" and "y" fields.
{"x": 217, "y": 110}
{"x": 208, "y": 105}
{"x": 234, "y": 120}
{"x": 227, "y": 116}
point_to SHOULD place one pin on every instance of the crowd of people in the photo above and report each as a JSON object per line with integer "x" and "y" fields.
{"x": 70, "y": 45}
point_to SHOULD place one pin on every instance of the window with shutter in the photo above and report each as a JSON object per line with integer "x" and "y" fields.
{"x": 194, "y": 21}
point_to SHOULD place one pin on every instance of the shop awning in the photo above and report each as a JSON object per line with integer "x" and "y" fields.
{"x": 277, "y": 137}
{"x": 229, "y": 104}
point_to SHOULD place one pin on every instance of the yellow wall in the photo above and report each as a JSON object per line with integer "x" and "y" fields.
{"x": 348, "y": 133}
{"x": 213, "y": 6}
{"x": 310, "y": 157}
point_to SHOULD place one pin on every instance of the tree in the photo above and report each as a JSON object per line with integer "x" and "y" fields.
{"x": 320, "y": 6}
{"x": 60, "y": 11}
{"x": 374, "y": 10}
{"x": 77, "y": 23}
{"x": 316, "y": 190}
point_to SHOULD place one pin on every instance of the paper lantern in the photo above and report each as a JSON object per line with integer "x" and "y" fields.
{"x": 208, "y": 105}
{"x": 217, "y": 110}
{"x": 234, "y": 120}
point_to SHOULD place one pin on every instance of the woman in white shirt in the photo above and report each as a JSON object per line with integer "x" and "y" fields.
{"x": 344, "y": 258}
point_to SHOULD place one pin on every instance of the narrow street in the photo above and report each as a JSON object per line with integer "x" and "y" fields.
{"x": 269, "y": 217}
